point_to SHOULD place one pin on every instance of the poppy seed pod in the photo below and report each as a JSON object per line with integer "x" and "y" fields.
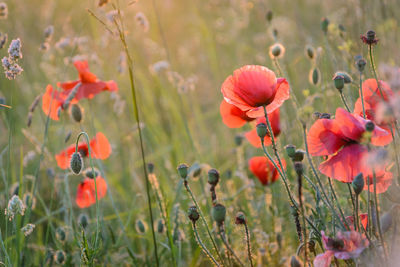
{"x": 358, "y": 183}
{"x": 290, "y": 150}
{"x": 219, "y": 213}
{"x": 369, "y": 126}
{"x": 76, "y": 113}
{"x": 262, "y": 130}
{"x": 276, "y": 50}
{"x": 213, "y": 177}
{"x": 298, "y": 167}
{"x": 294, "y": 262}
{"x": 360, "y": 64}
{"x": 240, "y": 218}
{"x": 183, "y": 170}
{"x": 83, "y": 220}
{"x": 324, "y": 25}
{"x": 346, "y": 76}
{"x": 193, "y": 214}
{"x": 76, "y": 163}
{"x": 298, "y": 155}
{"x": 338, "y": 80}
{"x": 60, "y": 257}
{"x": 314, "y": 76}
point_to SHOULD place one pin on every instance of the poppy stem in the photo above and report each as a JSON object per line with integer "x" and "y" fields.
{"x": 248, "y": 243}
{"x": 353, "y": 203}
{"x": 226, "y": 243}
{"x": 361, "y": 96}
{"x": 344, "y": 101}
{"x": 299, "y": 188}
{"x": 356, "y": 215}
{"x": 201, "y": 244}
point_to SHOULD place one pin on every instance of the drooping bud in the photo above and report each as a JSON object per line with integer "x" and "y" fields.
{"x": 262, "y": 130}
{"x": 213, "y": 177}
{"x": 360, "y": 64}
{"x": 369, "y": 126}
{"x": 324, "y": 25}
{"x": 60, "y": 257}
{"x": 193, "y": 214}
{"x": 358, "y": 183}
{"x": 141, "y": 226}
{"x": 338, "y": 80}
{"x": 219, "y": 213}
{"x": 240, "y": 218}
{"x": 290, "y": 150}
{"x": 76, "y": 163}
{"x": 347, "y": 78}
{"x": 276, "y": 50}
{"x": 183, "y": 170}
{"x": 83, "y": 220}
{"x": 76, "y": 113}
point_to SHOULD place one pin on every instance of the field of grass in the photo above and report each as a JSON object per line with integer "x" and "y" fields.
{"x": 180, "y": 180}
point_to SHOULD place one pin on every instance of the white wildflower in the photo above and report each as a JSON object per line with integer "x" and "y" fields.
{"x": 28, "y": 229}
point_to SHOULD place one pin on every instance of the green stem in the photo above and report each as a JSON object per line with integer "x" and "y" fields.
{"x": 202, "y": 245}
{"x": 248, "y": 244}
{"x": 344, "y": 101}
{"x": 361, "y": 95}
{"x": 228, "y": 247}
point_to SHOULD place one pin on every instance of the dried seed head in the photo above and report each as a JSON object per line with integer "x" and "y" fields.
{"x": 60, "y": 257}
{"x": 240, "y": 218}
{"x": 213, "y": 177}
{"x": 218, "y": 213}
{"x": 183, "y": 170}
{"x": 83, "y": 220}
{"x": 358, "y": 183}
{"x": 369, "y": 38}
{"x": 290, "y": 150}
{"x": 262, "y": 130}
{"x": 76, "y": 113}
{"x": 141, "y": 226}
{"x": 193, "y": 214}
{"x": 76, "y": 163}
{"x": 276, "y": 51}
{"x": 28, "y": 229}
{"x": 338, "y": 81}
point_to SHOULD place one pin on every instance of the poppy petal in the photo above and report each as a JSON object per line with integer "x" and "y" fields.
{"x": 100, "y": 146}
{"x": 350, "y": 126}
{"x": 52, "y": 102}
{"x": 232, "y": 116}
{"x": 84, "y": 74}
{"x": 323, "y": 260}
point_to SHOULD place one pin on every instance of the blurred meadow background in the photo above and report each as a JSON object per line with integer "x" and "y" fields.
{"x": 182, "y": 51}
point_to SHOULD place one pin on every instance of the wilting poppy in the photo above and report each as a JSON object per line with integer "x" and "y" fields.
{"x": 273, "y": 118}
{"x": 340, "y": 139}
{"x": 90, "y": 85}
{"x": 86, "y": 192}
{"x": 372, "y": 98}
{"x": 363, "y": 218}
{"x": 251, "y": 87}
{"x": 264, "y": 169}
{"x": 52, "y": 101}
{"x": 346, "y": 245}
{"x": 232, "y": 116}
{"x": 99, "y": 146}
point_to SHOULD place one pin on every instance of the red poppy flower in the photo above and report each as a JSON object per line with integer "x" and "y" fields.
{"x": 383, "y": 181}
{"x": 340, "y": 139}
{"x": 253, "y": 86}
{"x": 86, "y": 192}
{"x": 363, "y": 218}
{"x": 232, "y": 116}
{"x": 264, "y": 169}
{"x": 99, "y": 146}
{"x": 52, "y": 102}
{"x": 90, "y": 84}
{"x": 372, "y": 98}
{"x": 273, "y": 118}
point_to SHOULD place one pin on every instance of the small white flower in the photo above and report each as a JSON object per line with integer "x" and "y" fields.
{"x": 28, "y": 229}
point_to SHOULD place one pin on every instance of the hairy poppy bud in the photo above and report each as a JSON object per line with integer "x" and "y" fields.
{"x": 360, "y": 64}
{"x": 213, "y": 177}
{"x": 183, "y": 170}
{"x": 141, "y": 226}
{"x": 61, "y": 235}
{"x": 262, "y": 130}
{"x": 298, "y": 155}
{"x": 160, "y": 226}
{"x": 219, "y": 213}
{"x": 83, "y": 220}
{"x": 339, "y": 82}
{"x": 324, "y": 25}
{"x": 240, "y": 218}
{"x": 193, "y": 214}
{"x": 269, "y": 15}
{"x": 369, "y": 126}
{"x": 347, "y": 78}
{"x": 60, "y": 257}
{"x": 358, "y": 183}
{"x": 310, "y": 52}
{"x": 314, "y": 76}
{"x": 276, "y": 50}
{"x": 150, "y": 167}
{"x": 238, "y": 140}
{"x": 294, "y": 262}
{"x": 290, "y": 150}
{"x": 76, "y": 113}
{"x": 76, "y": 163}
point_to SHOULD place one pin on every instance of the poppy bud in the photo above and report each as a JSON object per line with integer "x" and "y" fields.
{"x": 298, "y": 167}
{"x": 369, "y": 126}
{"x": 193, "y": 214}
{"x": 60, "y": 257}
{"x": 310, "y": 52}
{"x": 360, "y": 64}
{"x": 50, "y": 173}
{"x": 276, "y": 50}
{"x": 325, "y": 116}
{"x": 183, "y": 170}
{"x": 91, "y": 173}
{"x": 346, "y": 76}
{"x": 213, "y": 177}
{"x": 238, "y": 140}
{"x": 83, "y": 220}
{"x": 160, "y": 226}
{"x": 219, "y": 213}
{"x": 294, "y": 262}
{"x": 358, "y": 184}
{"x": 290, "y": 150}
{"x": 61, "y": 235}
{"x": 314, "y": 76}
{"x": 275, "y": 33}
{"x": 240, "y": 218}
{"x": 269, "y": 15}
{"x": 316, "y": 115}
{"x": 141, "y": 227}
{"x": 76, "y": 163}
{"x": 150, "y": 167}
{"x": 298, "y": 155}
{"x": 324, "y": 25}
{"x": 76, "y": 113}
{"x": 29, "y": 201}
{"x": 262, "y": 130}
{"x": 339, "y": 82}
